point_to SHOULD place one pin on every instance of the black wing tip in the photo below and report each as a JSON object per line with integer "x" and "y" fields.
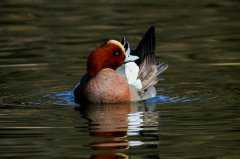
{"x": 148, "y": 39}
{"x": 146, "y": 46}
{"x": 151, "y": 30}
{"x": 123, "y": 40}
{"x": 125, "y": 43}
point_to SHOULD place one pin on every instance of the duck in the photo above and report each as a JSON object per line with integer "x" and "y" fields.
{"x": 117, "y": 74}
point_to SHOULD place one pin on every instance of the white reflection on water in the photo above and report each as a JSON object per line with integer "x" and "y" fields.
{"x": 135, "y": 122}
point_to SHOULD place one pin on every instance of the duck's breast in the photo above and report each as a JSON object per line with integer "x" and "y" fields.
{"x": 107, "y": 87}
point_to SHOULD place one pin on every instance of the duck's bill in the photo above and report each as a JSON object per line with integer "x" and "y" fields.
{"x": 131, "y": 58}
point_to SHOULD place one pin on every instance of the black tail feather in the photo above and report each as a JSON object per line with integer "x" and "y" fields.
{"x": 146, "y": 46}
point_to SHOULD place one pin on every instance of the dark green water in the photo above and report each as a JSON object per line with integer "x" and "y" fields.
{"x": 43, "y": 50}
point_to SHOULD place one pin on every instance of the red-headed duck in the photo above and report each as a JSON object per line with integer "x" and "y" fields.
{"x": 117, "y": 74}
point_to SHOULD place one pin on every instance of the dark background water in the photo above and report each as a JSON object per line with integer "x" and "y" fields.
{"x": 43, "y": 50}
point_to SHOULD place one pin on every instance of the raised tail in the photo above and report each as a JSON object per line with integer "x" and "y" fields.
{"x": 150, "y": 69}
{"x": 146, "y": 46}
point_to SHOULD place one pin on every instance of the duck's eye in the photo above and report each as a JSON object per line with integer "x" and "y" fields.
{"x": 116, "y": 53}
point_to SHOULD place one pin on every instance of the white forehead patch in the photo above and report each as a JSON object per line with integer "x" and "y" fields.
{"x": 115, "y": 42}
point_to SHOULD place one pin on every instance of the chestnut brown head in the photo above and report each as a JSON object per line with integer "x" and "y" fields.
{"x": 109, "y": 55}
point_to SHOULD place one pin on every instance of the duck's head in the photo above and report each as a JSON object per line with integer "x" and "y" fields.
{"x": 111, "y": 54}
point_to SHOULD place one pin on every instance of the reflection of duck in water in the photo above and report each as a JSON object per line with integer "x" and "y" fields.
{"x": 109, "y": 121}
{"x": 115, "y": 76}
{"x": 110, "y": 156}
{"x": 116, "y": 123}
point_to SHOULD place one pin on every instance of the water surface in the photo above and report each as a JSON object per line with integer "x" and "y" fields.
{"x": 43, "y": 50}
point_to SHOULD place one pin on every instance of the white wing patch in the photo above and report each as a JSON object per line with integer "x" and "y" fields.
{"x": 130, "y": 71}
